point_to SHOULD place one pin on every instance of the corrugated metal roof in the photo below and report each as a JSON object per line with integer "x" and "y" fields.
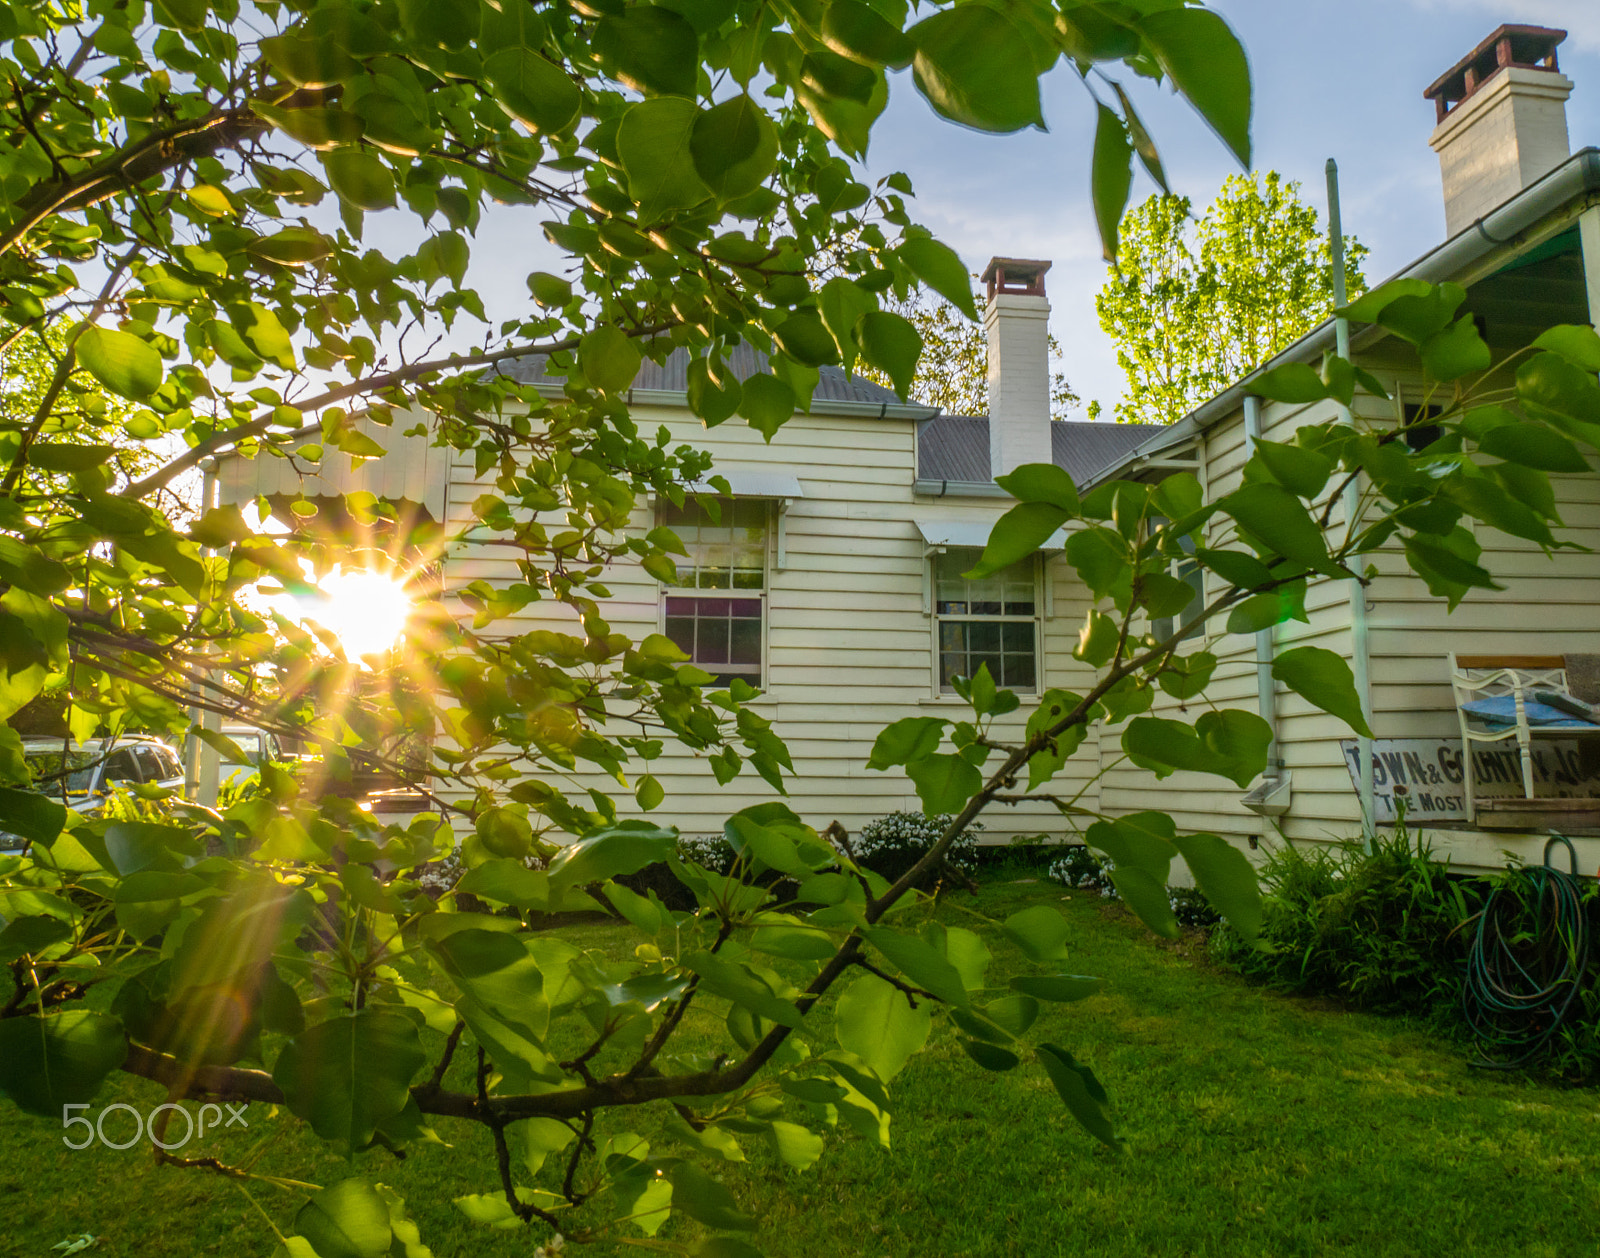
{"x": 956, "y": 447}
{"x": 672, "y": 376}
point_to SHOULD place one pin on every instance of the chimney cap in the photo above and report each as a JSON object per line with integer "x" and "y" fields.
{"x": 1015, "y": 275}
{"x": 1530, "y": 47}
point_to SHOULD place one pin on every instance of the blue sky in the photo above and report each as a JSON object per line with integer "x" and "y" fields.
{"x": 1333, "y": 78}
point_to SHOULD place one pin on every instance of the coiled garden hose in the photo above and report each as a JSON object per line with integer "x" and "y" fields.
{"x": 1527, "y": 962}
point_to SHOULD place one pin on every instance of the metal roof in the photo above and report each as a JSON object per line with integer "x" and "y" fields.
{"x": 672, "y": 376}
{"x": 956, "y": 447}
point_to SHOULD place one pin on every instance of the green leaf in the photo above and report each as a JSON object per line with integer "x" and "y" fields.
{"x": 734, "y": 146}
{"x": 67, "y": 456}
{"x": 1456, "y": 351}
{"x": 1369, "y": 306}
{"x": 920, "y": 963}
{"x": 944, "y": 783}
{"x": 1301, "y": 471}
{"x": 1017, "y": 534}
{"x": 1041, "y": 482}
{"x": 856, "y": 31}
{"x": 264, "y": 332}
{"x": 1205, "y": 62}
{"x": 766, "y": 402}
{"x": 609, "y": 359}
{"x": 309, "y": 62}
{"x": 121, "y": 361}
{"x": 624, "y": 848}
{"x": 706, "y": 1201}
{"x": 876, "y": 1023}
{"x": 990, "y": 1056}
{"x": 1056, "y": 988}
{"x": 892, "y": 344}
{"x": 1229, "y": 743}
{"x": 31, "y": 815}
{"x": 655, "y": 143}
{"x": 1533, "y": 445}
{"x": 1227, "y": 879}
{"x": 1280, "y": 520}
{"x": 1295, "y": 383}
{"x": 794, "y": 1144}
{"x": 360, "y": 177}
{"x": 1419, "y": 316}
{"x": 650, "y": 49}
{"x": 550, "y": 291}
{"x": 1324, "y": 678}
{"x": 24, "y": 936}
{"x": 1578, "y": 344}
{"x": 1111, "y": 176}
{"x": 1100, "y": 558}
{"x": 1040, "y": 931}
{"x": 976, "y": 67}
{"x": 59, "y": 1059}
{"x": 347, "y": 1075}
{"x": 1080, "y": 1091}
{"x": 935, "y": 264}
{"x": 803, "y": 338}
{"x": 534, "y": 91}
{"x": 737, "y": 982}
{"x": 346, "y": 1220}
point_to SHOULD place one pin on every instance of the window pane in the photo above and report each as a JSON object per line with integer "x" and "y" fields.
{"x": 953, "y": 636}
{"x": 1019, "y": 672}
{"x": 711, "y": 641}
{"x": 119, "y": 767}
{"x": 984, "y": 635}
{"x": 745, "y": 642}
{"x": 681, "y": 630}
{"x": 1017, "y": 637}
{"x": 728, "y": 553}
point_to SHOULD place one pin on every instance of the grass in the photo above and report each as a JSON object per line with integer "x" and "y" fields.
{"x": 1257, "y": 1125}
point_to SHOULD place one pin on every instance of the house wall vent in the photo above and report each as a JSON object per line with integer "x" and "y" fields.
{"x": 1017, "y": 322}
{"x": 1502, "y": 120}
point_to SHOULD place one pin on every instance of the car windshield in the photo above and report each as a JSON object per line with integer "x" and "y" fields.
{"x": 46, "y": 765}
{"x": 248, "y": 743}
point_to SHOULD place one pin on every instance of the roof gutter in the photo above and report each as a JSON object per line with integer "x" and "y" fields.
{"x": 1578, "y": 176}
{"x": 959, "y": 488}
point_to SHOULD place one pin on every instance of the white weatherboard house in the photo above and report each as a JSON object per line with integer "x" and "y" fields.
{"x": 833, "y": 582}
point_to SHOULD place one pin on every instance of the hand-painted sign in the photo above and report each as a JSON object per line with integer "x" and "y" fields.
{"x": 1427, "y": 774}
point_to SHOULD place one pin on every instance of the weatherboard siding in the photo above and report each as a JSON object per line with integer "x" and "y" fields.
{"x": 849, "y": 647}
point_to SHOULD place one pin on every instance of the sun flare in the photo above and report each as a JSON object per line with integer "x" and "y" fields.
{"x": 366, "y": 610}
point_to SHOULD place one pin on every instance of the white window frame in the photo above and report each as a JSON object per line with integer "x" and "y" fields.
{"x": 937, "y": 618}
{"x": 762, "y": 680}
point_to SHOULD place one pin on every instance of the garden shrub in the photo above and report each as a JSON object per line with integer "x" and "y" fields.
{"x": 1081, "y": 869}
{"x": 1382, "y": 930}
{"x": 891, "y": 845}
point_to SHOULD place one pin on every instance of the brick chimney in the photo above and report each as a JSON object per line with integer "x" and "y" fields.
{"x": 1016, "y": 320}
{"x": 1502, "y": 121}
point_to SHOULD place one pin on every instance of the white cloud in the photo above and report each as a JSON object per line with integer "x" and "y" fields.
{"x": 1579, "y": 18}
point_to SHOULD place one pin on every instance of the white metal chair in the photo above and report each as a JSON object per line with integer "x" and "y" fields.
{"x": 1475, "y": 677}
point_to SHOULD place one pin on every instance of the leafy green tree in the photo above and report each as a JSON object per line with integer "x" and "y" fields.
{"x": 1194, "y": 304}
{"x": 158, "y": 164}
{"x": 953, "y": 372}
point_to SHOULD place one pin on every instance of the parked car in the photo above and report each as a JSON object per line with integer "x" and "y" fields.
{"x": 259, "y": 746}
{"x": 93, "y": 771}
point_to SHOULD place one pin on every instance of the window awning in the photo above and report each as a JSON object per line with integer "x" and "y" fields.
{"x": 753, "y": 484}
{"x": 973, "y": 533}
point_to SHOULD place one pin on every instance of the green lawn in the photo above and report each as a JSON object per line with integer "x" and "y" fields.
{"x": 1256, "y": 1125}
